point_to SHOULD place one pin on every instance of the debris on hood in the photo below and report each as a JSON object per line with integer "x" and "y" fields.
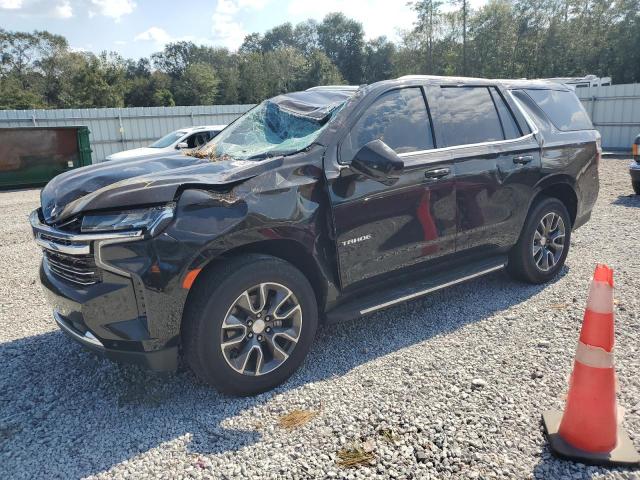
{"x": 207, "y": 151}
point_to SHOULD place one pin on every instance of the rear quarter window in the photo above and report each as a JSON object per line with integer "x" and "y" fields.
{"x": 562, "y": 108}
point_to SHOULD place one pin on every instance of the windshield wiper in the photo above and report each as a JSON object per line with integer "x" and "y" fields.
{"x": 262, "y": 156}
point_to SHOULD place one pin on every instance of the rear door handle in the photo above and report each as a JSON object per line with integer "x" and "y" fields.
{"x": 436, "y": 173}
{"x": 522, "y": 159}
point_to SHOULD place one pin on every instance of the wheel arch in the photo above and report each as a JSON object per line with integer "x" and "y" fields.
{"x": 561, "y": 188}
{"x": 288, "y": 250}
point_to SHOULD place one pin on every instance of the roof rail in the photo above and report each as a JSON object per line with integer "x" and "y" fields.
{"x": 349, "y": 88}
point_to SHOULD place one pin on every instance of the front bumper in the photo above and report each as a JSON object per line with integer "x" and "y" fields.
{"x": 159, "y": 360}
{"x": 102, "y": 303}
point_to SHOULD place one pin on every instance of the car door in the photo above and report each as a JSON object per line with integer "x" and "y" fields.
{"x": 381, "y": 227}
{"x": 496, "y": 162}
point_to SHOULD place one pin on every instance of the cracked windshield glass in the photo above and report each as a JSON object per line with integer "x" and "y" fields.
{"x": 267, "y": 131}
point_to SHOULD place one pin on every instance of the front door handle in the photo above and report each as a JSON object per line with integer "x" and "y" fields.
{"x": 522, "y": 159}
{"x": 436, "y": 173}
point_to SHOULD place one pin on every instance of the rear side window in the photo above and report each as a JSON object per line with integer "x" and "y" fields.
{"x": 468, "y": 115}
{"x": 399, "y": 118}
{"x": 509, "y": 125}
{"x": 563, "y": 109}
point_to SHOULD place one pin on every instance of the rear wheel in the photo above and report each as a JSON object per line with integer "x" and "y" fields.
{"x": 543, "y": 244}
{"x": 636, "y": 187}
{"x": 250, "y": 324}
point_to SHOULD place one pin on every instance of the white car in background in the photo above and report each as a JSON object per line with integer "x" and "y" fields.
{"x": 185, "y": 138}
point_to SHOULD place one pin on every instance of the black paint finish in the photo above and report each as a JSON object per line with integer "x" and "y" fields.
{"x": 347, "y": 230}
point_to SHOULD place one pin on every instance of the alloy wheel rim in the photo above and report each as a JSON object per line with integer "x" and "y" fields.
{"x": 261, "y": 329}
{"x": 548, "y": 241}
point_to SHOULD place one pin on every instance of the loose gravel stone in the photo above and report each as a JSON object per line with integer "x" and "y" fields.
{"x": 400, "y": 380}
{"x": 478, "y": 383}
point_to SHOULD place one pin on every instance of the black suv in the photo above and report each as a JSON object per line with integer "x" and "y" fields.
{"x": 313, "y": 207}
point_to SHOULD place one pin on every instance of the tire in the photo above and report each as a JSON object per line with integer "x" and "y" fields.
{"x": 636, "y": 187}
{"x": 220, "y": 299}
{"x": 527, "y": 263}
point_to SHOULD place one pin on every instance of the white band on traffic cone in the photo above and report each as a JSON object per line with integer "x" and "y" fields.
{"x": 595, "y": 357}
{"x": 600, "y": 298}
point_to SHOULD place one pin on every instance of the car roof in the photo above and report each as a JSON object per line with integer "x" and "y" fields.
{"x": 338, "y": 88}
{"x": 201, "y": 127}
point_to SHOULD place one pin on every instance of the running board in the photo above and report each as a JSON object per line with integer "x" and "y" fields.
{"x": 376, "y": 300}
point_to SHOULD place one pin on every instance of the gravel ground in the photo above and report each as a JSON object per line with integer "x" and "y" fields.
{"x": 451, "y": 386}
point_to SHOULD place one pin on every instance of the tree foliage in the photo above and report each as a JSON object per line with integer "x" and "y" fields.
{"x": 503, "y": 39}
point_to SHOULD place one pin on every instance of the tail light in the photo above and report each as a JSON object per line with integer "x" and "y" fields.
{"x": 598, "y": 150}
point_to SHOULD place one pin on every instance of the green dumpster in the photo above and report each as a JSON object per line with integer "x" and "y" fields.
{"x": 31, "y": 156}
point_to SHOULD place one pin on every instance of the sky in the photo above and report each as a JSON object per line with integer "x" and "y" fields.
{"x": 137, "y": 28}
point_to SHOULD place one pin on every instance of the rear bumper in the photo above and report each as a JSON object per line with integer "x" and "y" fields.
{"x": 634, "y": 171}
{"x": 158, "y": 360}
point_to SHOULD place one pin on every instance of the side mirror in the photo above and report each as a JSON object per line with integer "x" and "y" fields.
{"x": 182, "y": 145}
{"x": 378, "y": 161}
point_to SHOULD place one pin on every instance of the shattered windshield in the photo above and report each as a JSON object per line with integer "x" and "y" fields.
{"x": 279, "y": 126}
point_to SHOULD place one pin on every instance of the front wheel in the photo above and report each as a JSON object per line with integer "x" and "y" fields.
{"x": 543, "y": 244}
{"x": 249, "y": 324}
{"x": 636, "y": 187}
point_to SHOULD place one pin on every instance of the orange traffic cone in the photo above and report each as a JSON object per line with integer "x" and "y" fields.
{"x": 589, "y": 430}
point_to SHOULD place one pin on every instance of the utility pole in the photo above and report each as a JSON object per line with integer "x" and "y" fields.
{"x": 464, "y": 37}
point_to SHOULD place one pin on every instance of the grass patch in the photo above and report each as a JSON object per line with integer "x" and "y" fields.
{"x": 354, "y": 456}
{"x": 296, "y": 418}
{"x": 558, "y": 306}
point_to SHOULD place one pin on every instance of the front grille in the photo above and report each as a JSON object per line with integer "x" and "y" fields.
{"x": 77, "y": 269}
{"x": 60, "y": 241}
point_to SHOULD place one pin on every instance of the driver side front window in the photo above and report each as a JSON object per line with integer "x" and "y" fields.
{"x": 399, "y": 118}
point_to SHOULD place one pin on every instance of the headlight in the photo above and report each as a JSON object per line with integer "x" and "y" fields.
{"x": 150, "y": 219}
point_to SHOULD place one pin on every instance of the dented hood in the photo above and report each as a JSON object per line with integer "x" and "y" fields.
{"x": 135, "y": 182}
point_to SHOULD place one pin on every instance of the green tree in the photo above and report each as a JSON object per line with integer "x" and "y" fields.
{"x": 342, "y": 40}
{"x": 306, "y": 37}
{"x": 503, "y": 38}
{"x": 94, "y": 81}
{"x": 253, "y": 85}
{"x": 163, "y": 98}
{"x": 494, "y": 34}
{"x": 428, "y": 25}
{"x": 283, "y": 70}
{"x": 197, "y": 86}
{"x": 252, "y": 44}
{"x": 14, "y": 97}
{"x": 319, "y": 70}
{"x": 175, "y": 58}
{"x": 280, "y": 36}
{"x": 378, "y": 60}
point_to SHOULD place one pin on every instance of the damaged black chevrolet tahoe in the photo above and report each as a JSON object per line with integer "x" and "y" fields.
{"x": 313, "y": 207}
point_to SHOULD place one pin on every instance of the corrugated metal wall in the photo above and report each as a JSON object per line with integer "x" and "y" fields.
{"x": 117, "y": 129}
{"x": 615, "y": 112}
